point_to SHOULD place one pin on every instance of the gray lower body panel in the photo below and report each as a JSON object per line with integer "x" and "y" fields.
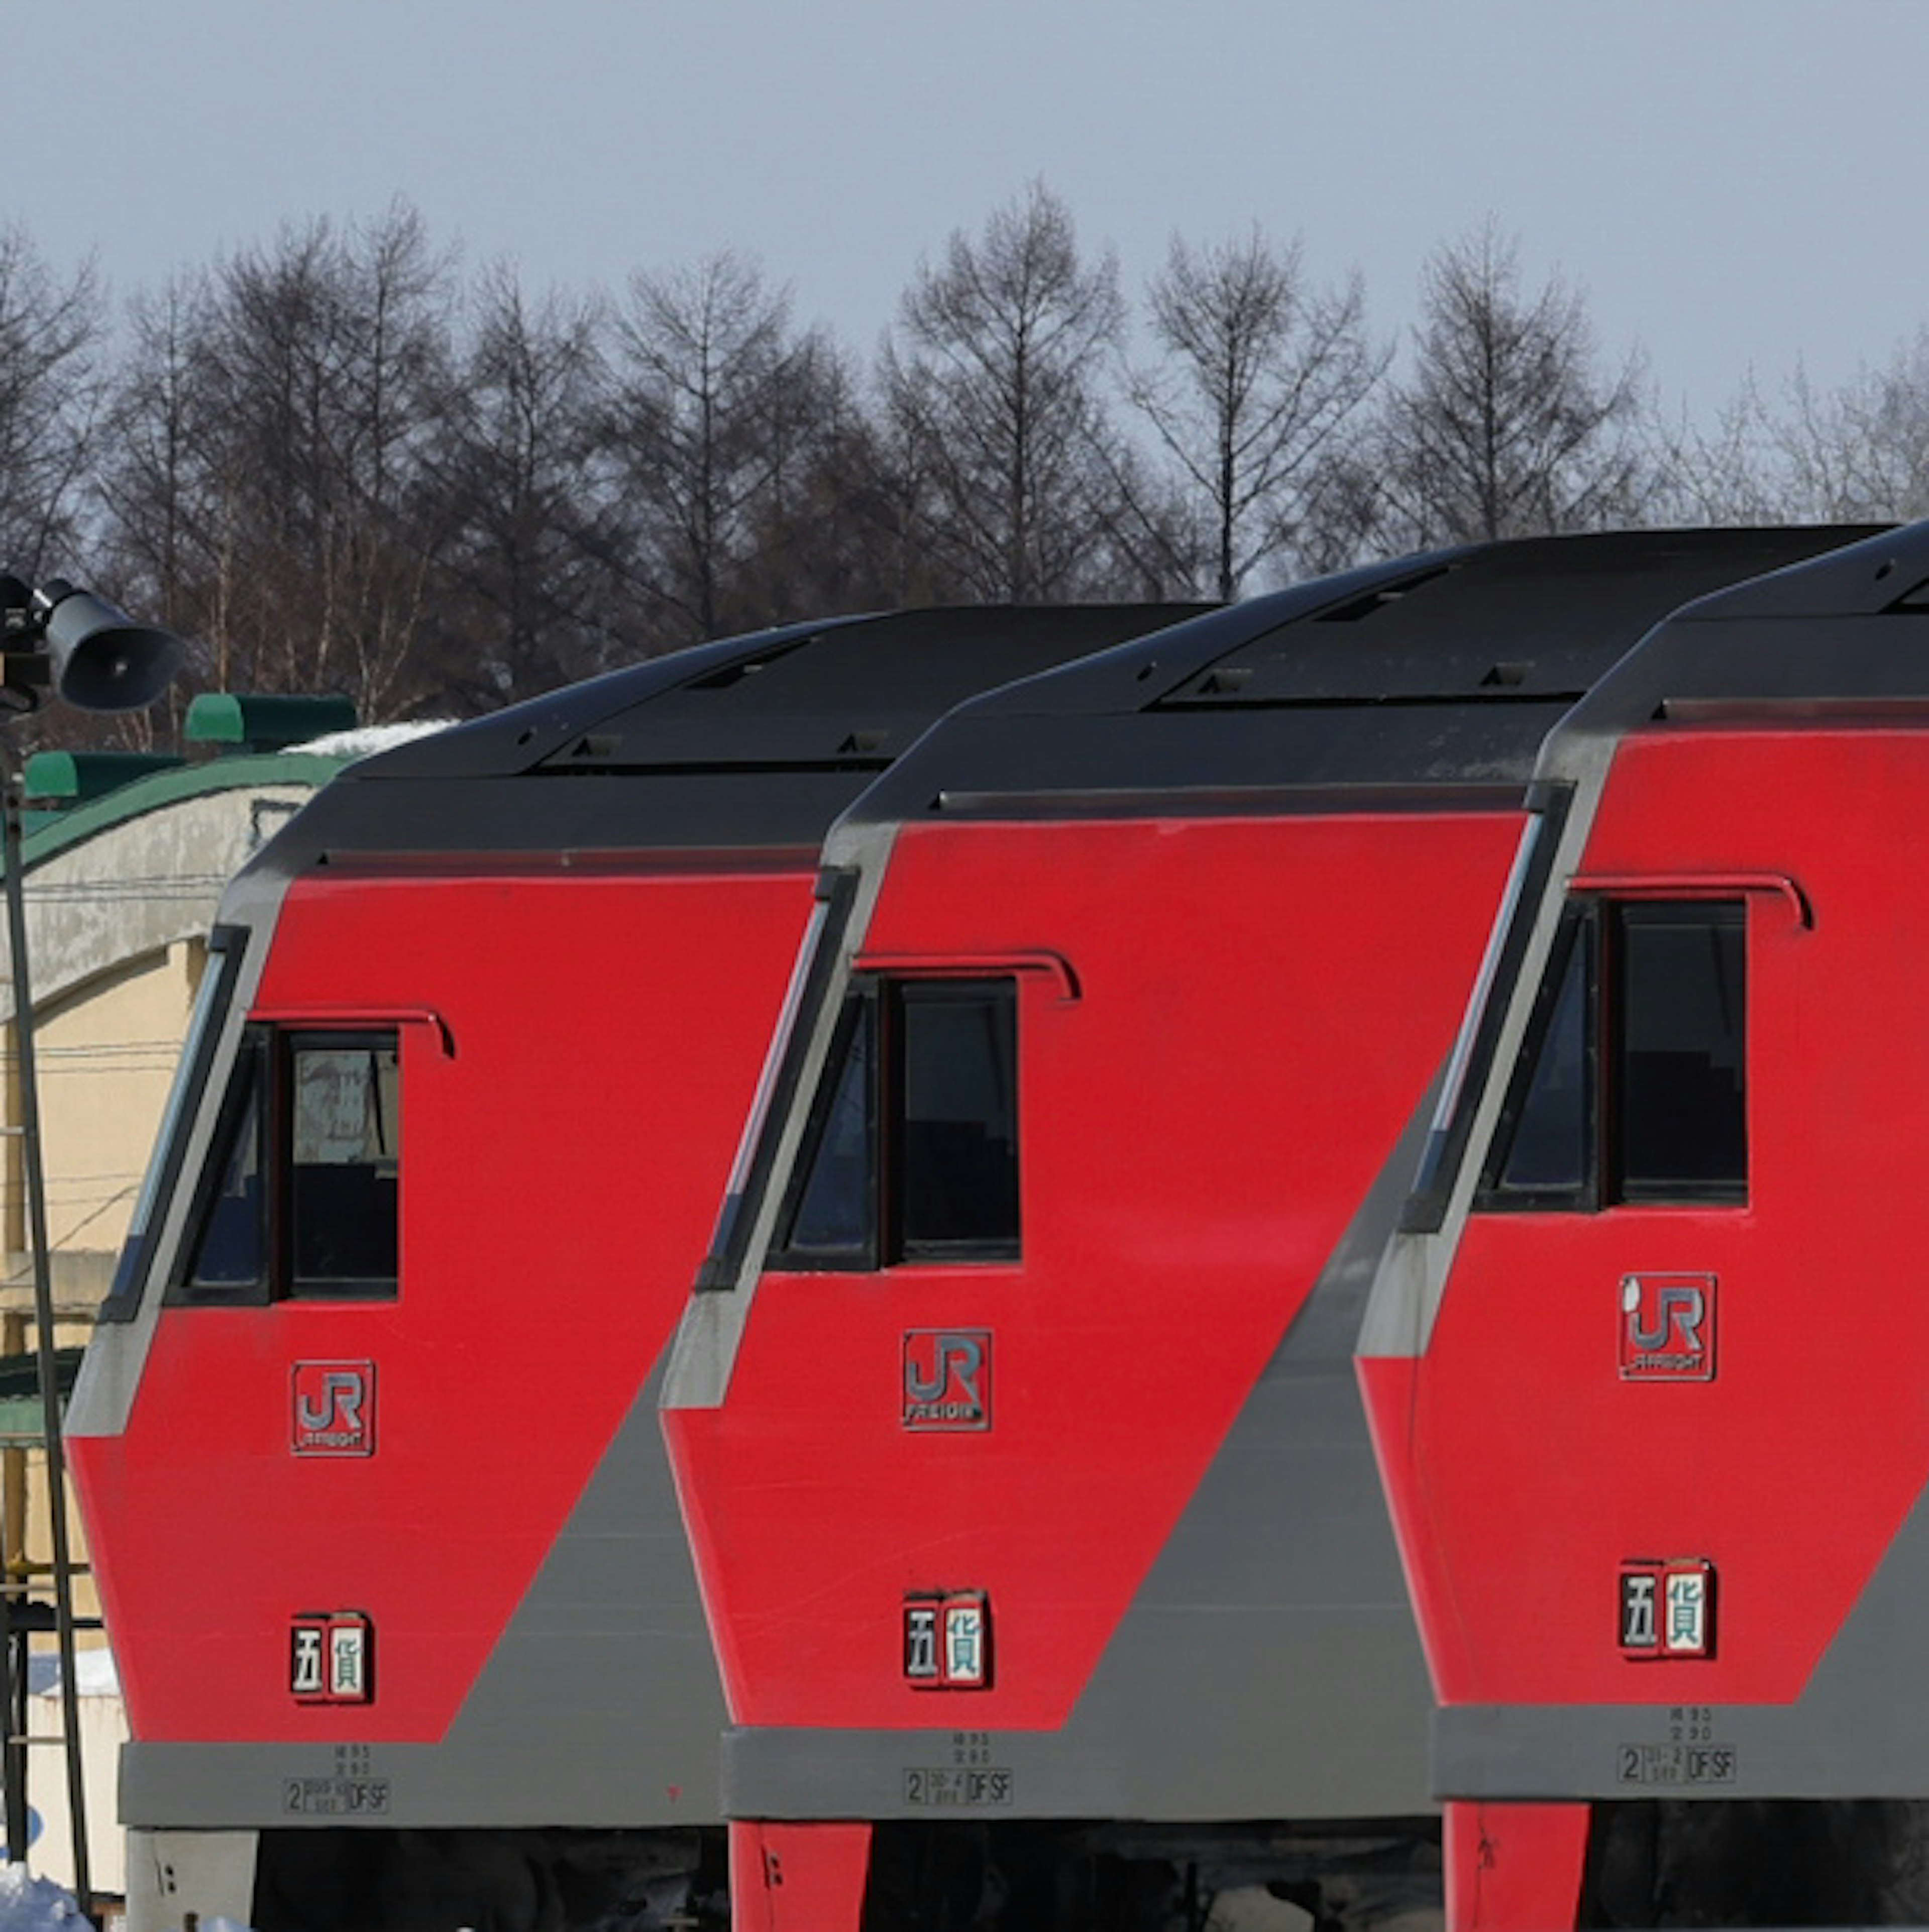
{"x": 1345, "y": 1741}
{"x": 1547, "y": 1754}
{"x": 1269, "y": 1666}
{"x": 1856, "y": 1731}
{"x": 525, "y": 1782}
{"x": 600, "y": 1705}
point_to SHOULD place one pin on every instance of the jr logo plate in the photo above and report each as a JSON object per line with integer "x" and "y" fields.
{"x": 947, "y": 1379}
{"x": 332, "y": 1409}
{"x": 1666, "y": 1325}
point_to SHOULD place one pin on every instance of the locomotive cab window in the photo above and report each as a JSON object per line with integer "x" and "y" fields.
{"x": 301, "y": 1197}
{"x": 910, "y": 1153}
{"x": 1632, "y": 1087}
{"x": 343, "y": 1165}
{"x": 229, "y": 1254}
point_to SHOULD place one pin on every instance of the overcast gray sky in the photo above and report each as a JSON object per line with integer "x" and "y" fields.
{"x": 1733, "y": 183}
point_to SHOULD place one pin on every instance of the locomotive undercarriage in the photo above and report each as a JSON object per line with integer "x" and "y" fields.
{"x": 1766, "y": 1863}
{"x": 533, "y": 1881}
{"x": 1060, "y": 1877}
{"x": 1780, "y": 1862}
{"x": 1024, "y": 1877}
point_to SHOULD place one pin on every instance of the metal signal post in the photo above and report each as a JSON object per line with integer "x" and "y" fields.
{"x": 94, "y": 656}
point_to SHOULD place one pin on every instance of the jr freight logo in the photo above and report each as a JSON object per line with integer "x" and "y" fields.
{"x": 947, "y": 1379}
{"x": 1666, "y": 1326}
{"x": 332, "y": 1409}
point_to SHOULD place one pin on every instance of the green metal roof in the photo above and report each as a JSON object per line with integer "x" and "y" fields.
{"x": 252, "y": 721}
{"x": 55, "y": 833}
{"x": 75, "y": 776}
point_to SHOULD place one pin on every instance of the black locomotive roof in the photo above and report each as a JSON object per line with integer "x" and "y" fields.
{"x": 1841, "y": 637}
{"x": 1442, "y": 670}
{"x": 843, "y": 691}
{"x": 754, "y": 742}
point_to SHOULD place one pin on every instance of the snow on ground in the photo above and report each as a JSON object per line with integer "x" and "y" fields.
{"x": 38, "y": 1905}
{"x": 28, "y": 1904}
{"x": 93, "y": 1674}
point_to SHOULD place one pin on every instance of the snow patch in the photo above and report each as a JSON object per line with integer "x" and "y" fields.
{"x": 94, "y": 1676}
{"x": 29, "y": 1904}
{"x": 364, "y": 742}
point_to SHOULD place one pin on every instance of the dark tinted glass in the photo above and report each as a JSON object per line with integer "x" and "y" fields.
{"x": 230, "y": 1248}
{"x": 211, "y": 1000}
{"x": 344, "y": 1163}
{"x": 1552, "y": 1147}
{"x": 836, "y": 1214}
{"x": 958, "y": 1189}
{"x": 1681, "y": 1102}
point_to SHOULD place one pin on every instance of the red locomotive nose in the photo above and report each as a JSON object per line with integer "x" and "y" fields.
{"x": 377, "y": 1495}
{"x": 1016, "y": 1421}
{"x": 1662, "y": 1615}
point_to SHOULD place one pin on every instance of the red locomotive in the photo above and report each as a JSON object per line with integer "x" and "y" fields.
{"x": 367, "y": 1439}
{"x": 1014, "y": 1417}
{"x": 1647, "y": 1411}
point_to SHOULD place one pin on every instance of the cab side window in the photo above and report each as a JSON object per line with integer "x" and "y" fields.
{"x": 301, "y": 1197}
{"x": 831, "y": 1218}
{"x": 1632, "y": 1086}
{"x": 910, "y": 1153}
{"x": 229, "y": 1253}
{"x": 343, "y": 1163}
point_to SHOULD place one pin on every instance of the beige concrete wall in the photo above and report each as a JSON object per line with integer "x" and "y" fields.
{"x": 141, "y": 885}
{"x": 105, "y": 1057}
{"x": 116, "y": 934}
{"x": 103, "y": 1729}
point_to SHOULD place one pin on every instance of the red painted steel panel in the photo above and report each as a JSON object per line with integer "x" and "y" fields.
{"x": 1513, "y": 1867}
{"x": 560, "y": 1177}
{"x": 797, "y": 1878}
{"x": 1260, "y": 1006}
{"x": 1524, "y": 1469}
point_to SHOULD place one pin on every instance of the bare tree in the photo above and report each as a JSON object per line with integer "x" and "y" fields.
{"x": 276, "y": 416}
{"x": 844, "y": 533}
{"x": 164, "y": 521}
{"x": 526, "y": 598}
{"x": 1860, "y": 453}
{"x": 1504, "y": 426}
{"x": 720, "y": 404}
{"x": 1734, "y": 473}
{"x": 49, "y": 395}
{"x": 1263, "y": 380}
{"x": 154, "y": 478}
{"x": 995, "y": 392}
{"x": 1155, "y": 540}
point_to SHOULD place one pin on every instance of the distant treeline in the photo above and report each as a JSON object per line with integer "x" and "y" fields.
{"x": 335, "y": 461}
